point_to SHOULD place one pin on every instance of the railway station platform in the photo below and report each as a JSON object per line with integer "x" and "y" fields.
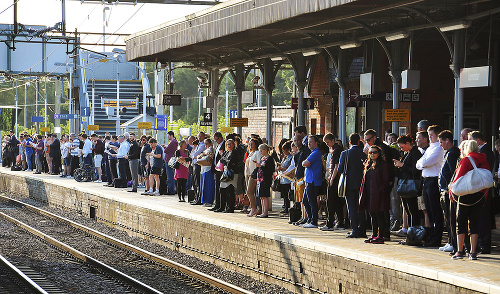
{"x": 301, "y": 260}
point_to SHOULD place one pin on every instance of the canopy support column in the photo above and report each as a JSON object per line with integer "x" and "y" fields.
{"x": 457, "y": 64}
{"x": 239, "y": 86}
{"x": 301, "y": 80}
{"x": 395, "y": 74}
{"x": 268, "y": 76}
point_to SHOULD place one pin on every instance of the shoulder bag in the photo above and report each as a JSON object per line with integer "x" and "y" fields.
{"x": 227, "y": 175}
{"x": 410, "y": 187}
{"x": 475, "y": 180}
{"x": 343, "y": 177}
{"x": 173, "y": 163}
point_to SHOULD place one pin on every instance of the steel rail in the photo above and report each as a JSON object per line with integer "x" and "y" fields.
{"x": 21, "y": 276}
{"x": 215, "y": 282}
{"x": 83, "y": 257}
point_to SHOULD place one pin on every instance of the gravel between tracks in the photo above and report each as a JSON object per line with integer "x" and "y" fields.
{"x": 18, "y": 246}
{"x": 240, "y": 280}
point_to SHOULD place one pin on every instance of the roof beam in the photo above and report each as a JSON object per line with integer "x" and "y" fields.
{"x": 188, "y": 2}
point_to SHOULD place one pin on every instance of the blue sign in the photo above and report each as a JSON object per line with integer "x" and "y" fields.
{"x": 66, "y": 116}
{"x": 37, "y": 119}
{"x": 161, "y": 122}
{"x": 233, "y": 113}
{"x": 85, "y": 111}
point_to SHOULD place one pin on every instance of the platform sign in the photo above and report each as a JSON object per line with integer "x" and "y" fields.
{"x": 239, "y": 122}
{"x": 207, "y": 117}
{"x": 205, "y": 123}
{"x": 85, "y": 111}
{"x": 226, "y": 130}
{"x": 144, "y": 125}
{"x": 45, "y": 129}
{"x": 397, "y": 115}
{"x": 37, "y": 119}
{"x": 66, "y": 116}
{"x": 93, "y": 127}
{"x": 161, "y": 122}
{"x": 233, "y": 113}
{"x": 171, "y": 99}
{"x": 123, "y": 103}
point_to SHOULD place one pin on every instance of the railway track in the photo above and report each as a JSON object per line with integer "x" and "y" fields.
{"x": 15, "y": 280}
{"x": 134, "y": 255}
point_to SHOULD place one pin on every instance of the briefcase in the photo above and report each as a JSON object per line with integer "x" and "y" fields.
{"x": 191, "y": 194}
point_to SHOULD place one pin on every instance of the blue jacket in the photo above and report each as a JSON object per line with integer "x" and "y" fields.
{"x": 355, "y": 166}
{"x": 314, "y": 173}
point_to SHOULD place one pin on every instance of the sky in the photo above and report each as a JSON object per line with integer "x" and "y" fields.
{"x": 88, "y": 17}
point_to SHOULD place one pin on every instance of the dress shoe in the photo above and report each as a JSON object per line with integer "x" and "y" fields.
{"x": 195, "y": 203}
{"x": 228, "y": 211}
{"x": 133, "y": 191}
{"x": 300, "y": 222}
{"x": 214, "y": 208}
{"x": 219, "y": 210}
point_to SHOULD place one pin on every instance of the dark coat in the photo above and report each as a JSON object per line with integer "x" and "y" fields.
{"x": 379, "y": 191}
{"x": 217, "y": 156}
{"x": 355, "y": 166}
{"x": 231, "y": 159}
{"x": 490, "y": 156}
{"x": 409, "y": 169}
{"x": 451, "y": 159}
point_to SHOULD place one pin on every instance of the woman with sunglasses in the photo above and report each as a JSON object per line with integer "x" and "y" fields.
{"x": 374, "y": 194}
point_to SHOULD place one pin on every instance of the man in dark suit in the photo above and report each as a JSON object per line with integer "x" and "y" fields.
{"x": 219, "y": 148}
{"x": 486, "y": 219}
{"x": 55, "y": 153}
{"x": 355, "y": 165}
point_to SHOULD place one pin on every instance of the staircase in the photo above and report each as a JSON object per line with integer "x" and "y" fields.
{"x": 131, "y": 89}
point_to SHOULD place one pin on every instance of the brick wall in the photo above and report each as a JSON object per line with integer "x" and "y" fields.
{"x": 257, "y": 122}
{"x": 264, "y": 258}
{"x": 322, "y": 98}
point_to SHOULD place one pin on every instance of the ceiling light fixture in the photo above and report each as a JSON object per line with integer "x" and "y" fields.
{"x": 277, "y": 58}
{"x": 311, "y": 52}
{"x": 397, "y": 36}
{"x": 350, "y": 45}
{"x": 249, "y": 63}
{"x": 455, "y": 26}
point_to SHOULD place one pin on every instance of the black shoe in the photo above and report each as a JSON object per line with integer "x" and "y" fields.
{"x": 182, "y": 200}
{"x": 300, "y": 222}
{"x": 228, "y": 211}
{"x": 134, "y": 191}
{"x": 353, "y": 235}
{"x": 213, "y": 208}
{"x": 196, "y": 203}
{"x": 219, "y": 210}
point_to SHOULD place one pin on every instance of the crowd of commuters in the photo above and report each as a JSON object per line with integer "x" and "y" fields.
{"x": 227, "y": 174}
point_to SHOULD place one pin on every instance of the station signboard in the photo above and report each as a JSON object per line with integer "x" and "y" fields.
{"x": 93, "y": 127}
{"x": 66, "y": 116}
{"x": 144, "y": 125}
{"x": 239, "y": 122}
{"x": 45, "y": 129}
{"x": 161, "y": 122}
{"x": 171, "y": 99}
{"x": 397, "y": 115}
{"x": 123, "y": 103}
{"x": 37, "y": 119}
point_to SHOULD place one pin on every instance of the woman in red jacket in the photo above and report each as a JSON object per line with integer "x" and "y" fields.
{"x": 469, "y": 208}
{"x": 374, "y": 194}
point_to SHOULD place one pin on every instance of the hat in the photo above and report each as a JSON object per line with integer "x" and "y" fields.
{"x": 423, "y": 124}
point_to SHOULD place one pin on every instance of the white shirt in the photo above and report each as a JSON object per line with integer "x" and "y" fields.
{"x": 123, "y": 150}
{"x": 252, "y": 160}
{"x": 87, "y": 147}
{"x": 431, "y": 162}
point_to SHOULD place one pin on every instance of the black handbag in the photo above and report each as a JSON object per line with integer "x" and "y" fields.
{"x": 227, "y": 175}
{"x": 276, "y": 185}
{"x": 409, "y": 188}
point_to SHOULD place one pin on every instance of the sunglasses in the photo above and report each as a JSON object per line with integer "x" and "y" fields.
{"x": 373, "y": 152}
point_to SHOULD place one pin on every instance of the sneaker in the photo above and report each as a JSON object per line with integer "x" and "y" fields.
{"x": 309, "y": 226}
{"x": 339, "y": 227}
{"x": 473, "y": 256}
{"x": 400, "y": 233}
{"x": 69, "y": 177}
{"x": 98, "y": 181}
{"x": 147, "y": 193}
{"x": 326, "y": 228}
{"x": 447, "y": 248}
{"x": 443, "y": 247}
{"x": 156, "y": 193}
{"x": 458, "y": 255}
{"x": 378, "y": 240}
{"x": 369, "y": 240}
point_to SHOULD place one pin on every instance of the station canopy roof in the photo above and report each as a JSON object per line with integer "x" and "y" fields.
{"x": 241, "y": 31}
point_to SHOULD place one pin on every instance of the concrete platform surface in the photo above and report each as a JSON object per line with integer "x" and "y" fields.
{"x": 482, "y": 275}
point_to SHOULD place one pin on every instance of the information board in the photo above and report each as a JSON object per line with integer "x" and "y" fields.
{"x": 93, "y": 127}
{"x": 239, "y": 122}
{"x": 144, "y": 125}
{"x": 45, "y": 129}
{"x": 397, "y": 115}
